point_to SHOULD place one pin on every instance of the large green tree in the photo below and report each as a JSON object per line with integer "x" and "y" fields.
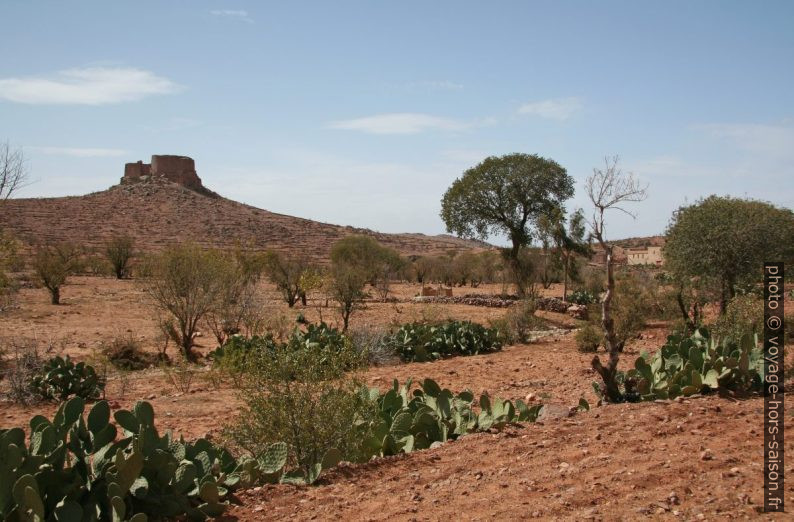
{"x": 506, "y": 195}
{"x": 723, "y": 242}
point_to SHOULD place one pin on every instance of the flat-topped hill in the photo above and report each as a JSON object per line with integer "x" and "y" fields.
{"x": 158, "y": 212}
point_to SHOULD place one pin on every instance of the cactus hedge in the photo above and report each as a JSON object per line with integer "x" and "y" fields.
{"x": 419, "y": 342}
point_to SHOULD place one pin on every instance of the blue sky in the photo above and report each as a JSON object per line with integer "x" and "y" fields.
{"x": 363, "y": 113}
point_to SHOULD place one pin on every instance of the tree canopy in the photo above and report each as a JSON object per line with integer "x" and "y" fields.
{"x": 505, "y": 195}
{"x": 724, "y": 241}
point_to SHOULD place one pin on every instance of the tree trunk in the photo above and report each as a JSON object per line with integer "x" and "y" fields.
{"x": 565, "y": 279}
{"x": 55, "y": 295}
{"x": 609, "y": 372}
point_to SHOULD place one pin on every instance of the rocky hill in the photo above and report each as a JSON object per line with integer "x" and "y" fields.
{"x": 158, "y": 212}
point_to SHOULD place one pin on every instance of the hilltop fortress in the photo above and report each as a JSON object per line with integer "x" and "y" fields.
{"x": 177, "y": 169}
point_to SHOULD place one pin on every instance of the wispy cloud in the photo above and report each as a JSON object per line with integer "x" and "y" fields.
{"x": 78, "y": 152}
{"x": 770, "y": 140}
{"x": 400, "y": 123}
{"x": 233, "y": 14}
{"x": 86, "y": 86}
{"x": 173, "y": 125}
{"x": 554, "y": 109}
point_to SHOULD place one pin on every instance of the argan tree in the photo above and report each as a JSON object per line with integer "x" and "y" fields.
{"x": 119, "y": 251}
{"x": 506, "y": 195}
{"x": 610, "y": 189}
{"x": 53, "y": 264}
{"x": 720, "y": 243}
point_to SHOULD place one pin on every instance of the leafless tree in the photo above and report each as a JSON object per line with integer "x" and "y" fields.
{"x": 610, "y": 189}
{"x": 13, "y": 170}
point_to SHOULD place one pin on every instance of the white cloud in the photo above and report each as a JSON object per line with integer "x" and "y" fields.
{"x": 400, "y": 123}
{"x": 233, "y": 14}
{"x": 770, "y": 140}
{"x": 555, "y": 109}
{"x": 87, "y": 86}
{"x": 79, "y": 152}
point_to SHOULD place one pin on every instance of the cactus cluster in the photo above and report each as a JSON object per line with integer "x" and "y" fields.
{"x": 80, "y": 468}
{"x": 412, "y": 421}
{"x": 697, "y": 364}
{"x": 419, "y": 342}
{"x": 60, "y": 378}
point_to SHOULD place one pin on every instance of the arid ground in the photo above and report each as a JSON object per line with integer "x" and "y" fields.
{"x": 696, "y": 459}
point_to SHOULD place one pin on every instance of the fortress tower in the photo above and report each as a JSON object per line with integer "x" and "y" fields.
{"x": 177, "y": 169}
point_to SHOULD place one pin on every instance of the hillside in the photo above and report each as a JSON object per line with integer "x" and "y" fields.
{"x": 158, "y": 213}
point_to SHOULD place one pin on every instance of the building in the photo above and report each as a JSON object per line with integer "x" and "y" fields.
{"x": 647, "y": 255}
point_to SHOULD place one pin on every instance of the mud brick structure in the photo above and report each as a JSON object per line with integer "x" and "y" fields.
{"x": 177, "y": 169}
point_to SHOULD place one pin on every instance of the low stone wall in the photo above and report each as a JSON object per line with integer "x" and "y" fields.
{"x": 549, "y": 304}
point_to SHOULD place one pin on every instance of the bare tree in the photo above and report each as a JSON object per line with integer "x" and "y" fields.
{"x": 610, "y": 189}
{"x": 13, "y": 170}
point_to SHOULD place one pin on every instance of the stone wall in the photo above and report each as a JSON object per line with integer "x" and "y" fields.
{"x": 177, "y": 169}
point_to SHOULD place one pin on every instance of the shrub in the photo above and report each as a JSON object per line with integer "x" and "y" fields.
{"x": 285, "y": 272}
{"x": 374, "y": 344}
{"x": 582, "y": 297}
{"x": 60, "y": 378}
{"x": 419, "y": 342}
{"x": 187, "y": 283}
{"x": 519, "y": 321}
{"x": 302, "y": 393}
{"x": 23, "y": 364}
{"x": 53, "y": 264}
{"x": 119, "y": 251}
{"x": 589, "y": 338}
{"x": 125, "y": 353}
{"x": 744, "y": 314}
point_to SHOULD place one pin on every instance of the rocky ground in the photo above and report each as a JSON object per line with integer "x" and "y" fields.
{"x": 698, "y": 459}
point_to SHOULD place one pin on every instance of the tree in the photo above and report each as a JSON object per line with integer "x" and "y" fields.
{"x": 724, "y": 241}
{"x": 187, "y": 283}
{"x": 570, "y": 243}
{"x": 423, "y": 268}
{"x": 119, "y": 251}
{"x": 13, "y": 170}
{"x": 346, "y": 288}
{"x": 610, "y": 189}
{"x": 506, "y": 195}
{"x": 53, "y": 264}
{"x": 285, "y": 272}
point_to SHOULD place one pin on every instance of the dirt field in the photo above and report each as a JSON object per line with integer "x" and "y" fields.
{"x": 692, "y": 460}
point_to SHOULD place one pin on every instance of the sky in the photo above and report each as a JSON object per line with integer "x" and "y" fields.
{"x": 363, "y": 113}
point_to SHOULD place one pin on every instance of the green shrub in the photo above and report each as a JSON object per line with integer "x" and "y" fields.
{"x": 744, "y": 314}
{"x": 696, "y": 364}
{"x": 60, "y": 378}
{"x": 419, "y": 342}
{"x": 589, "y": 338}
{"x": 518, "y": 322}
{"x": 306, "y": 393}
{"x": 581, "y": 297}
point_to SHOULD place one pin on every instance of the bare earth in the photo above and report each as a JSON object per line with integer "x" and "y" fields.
{"x": 700, "y": 459}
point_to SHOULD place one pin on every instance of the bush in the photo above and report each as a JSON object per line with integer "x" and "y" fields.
{"x": 581, "y": 297}
{"x": 53, "y": 264}
{"x": 589, "y": 338}
{"x": 419, "y": 342}
{"x": 22, "y": 365}
{"x": 119, "y": 251}
{"x": 125, "y": 353}
{"x": 518, "y": 322}
{"x": 60, "y": 378}
{"x": 188, "y": 283}
{"x": 302, "y": 393}
{"x": 373, "y": 343}
{"x": 744, "y": 314}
